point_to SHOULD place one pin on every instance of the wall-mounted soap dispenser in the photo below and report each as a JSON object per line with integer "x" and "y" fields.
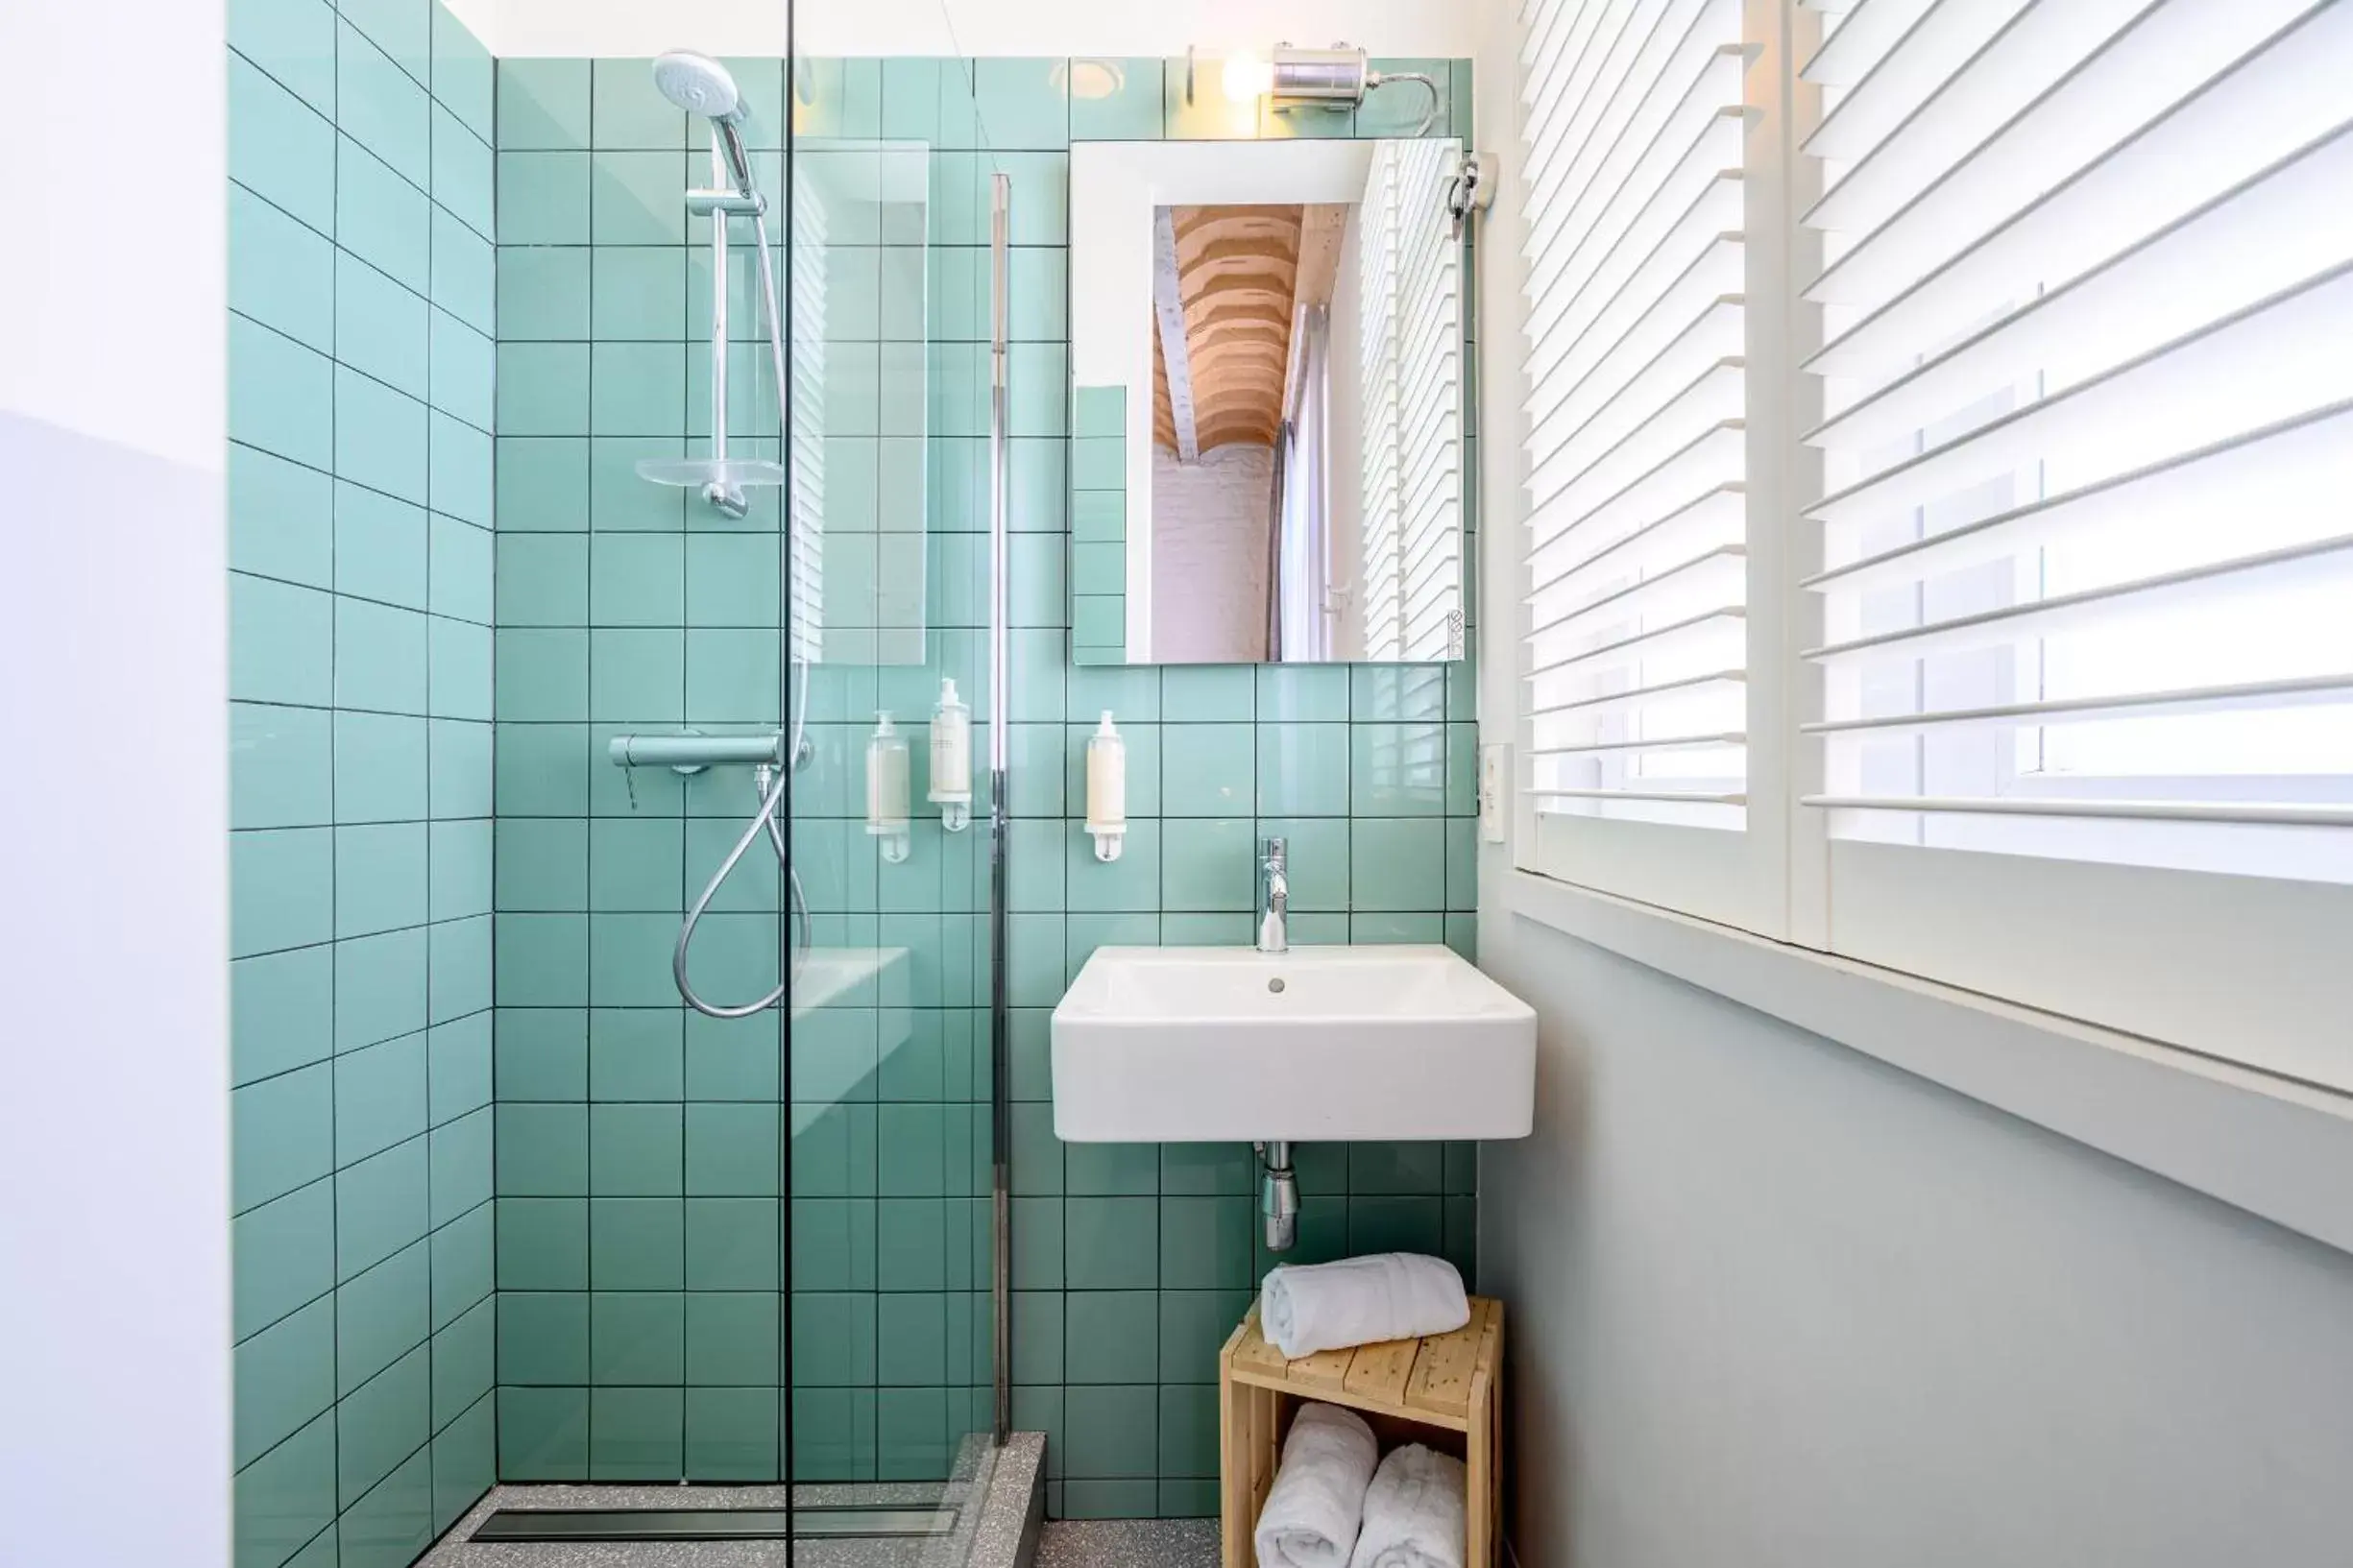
{"x": 886, "y": 788}
{"x": 952, "y": 758}
{"x": 1107, "y": 788}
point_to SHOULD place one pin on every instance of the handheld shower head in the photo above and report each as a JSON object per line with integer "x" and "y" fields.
{"x": 698, "y": 85}
{"x": 701, "y": 85}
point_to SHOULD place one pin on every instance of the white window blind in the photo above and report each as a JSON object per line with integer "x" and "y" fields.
{"x": 1410, "y": 300}
{"x": 1634, "y": 649}
{"x": 2090, "y": 366}
{"x": 2087, "y": 365}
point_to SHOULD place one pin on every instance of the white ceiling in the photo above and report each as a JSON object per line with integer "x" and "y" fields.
{"x": 1411, "y": 27}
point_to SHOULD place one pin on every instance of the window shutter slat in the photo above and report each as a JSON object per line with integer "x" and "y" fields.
{"x": 2088, "y": 358}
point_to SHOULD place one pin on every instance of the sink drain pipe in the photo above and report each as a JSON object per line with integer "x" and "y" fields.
{"x": 1279, "y": 1196}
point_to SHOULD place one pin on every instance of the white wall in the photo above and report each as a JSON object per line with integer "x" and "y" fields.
{"x": 1775, "y": 1303}
{"x": 115, "y": 1323}
{"x": 1421, "y": 28}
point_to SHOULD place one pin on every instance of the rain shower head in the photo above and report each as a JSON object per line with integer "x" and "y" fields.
{"x": 698, "y": 85}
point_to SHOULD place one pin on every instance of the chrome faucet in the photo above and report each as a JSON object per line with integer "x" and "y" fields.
{"x": 1274, "y": 909}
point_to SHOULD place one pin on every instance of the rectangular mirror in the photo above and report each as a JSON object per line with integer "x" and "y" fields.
{"x": 1267, "y": 358}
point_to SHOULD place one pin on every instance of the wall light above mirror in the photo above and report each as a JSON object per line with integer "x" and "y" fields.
{"x": 1267, "y": 352}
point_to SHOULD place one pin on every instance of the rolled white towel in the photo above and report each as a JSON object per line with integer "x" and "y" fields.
{"x": 1412, "y": 1512}
{"x": 1318, "y": 1498}
{"x": 1359, "y": 1301}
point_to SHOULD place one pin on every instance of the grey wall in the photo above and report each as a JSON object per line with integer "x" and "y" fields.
{"x": 1774, "y": 1302}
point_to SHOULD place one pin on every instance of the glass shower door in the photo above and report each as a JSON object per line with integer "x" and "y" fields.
{"x": 889, "y": 1250}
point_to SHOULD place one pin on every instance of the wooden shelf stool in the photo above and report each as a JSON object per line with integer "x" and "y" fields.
{"x": 1443, "y": 1390}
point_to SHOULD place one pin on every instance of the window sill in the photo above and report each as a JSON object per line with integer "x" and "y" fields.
{"x": 2272, "y": 1147}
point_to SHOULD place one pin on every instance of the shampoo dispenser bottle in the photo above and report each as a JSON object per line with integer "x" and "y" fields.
{"x": 952, "y": 758}
{"x": 886, "y": 788}
{"x": 1107, "y": 788}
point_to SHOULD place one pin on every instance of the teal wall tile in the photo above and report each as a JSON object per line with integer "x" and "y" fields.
{"x": 381, "y": 107}
{"x": 287, "y": 1496}
{"x": 637, "y": 198}
{"x": 380, "y": 1098}
{"x": 381, "y": 1316}
{"x": 636, "y": 388}
{"x": 281, "y": 889}
{"x": 464, "y": 1462}
{"x": 280, "y": 394}
{"x": 1397, "y": 864}
{"x": 284, "y": 1256}
{"x": 460, "y": 570}
{"x": 626, "y": 110}
{"x": 731, "y": 1433}
{"x": 280, "y": 767}
{"x": 380, "y": 1207}
{"x": 282, "y": 273}
{"x": 464, "y": 1264}
{"x": 543, "y": 292}
{"x": 543, "y": 389}
{"x": 379, "y": 987}
{"x": 543, "y": 103}
{"x": 383, "y": 217}
{"x": 281, "y": 521}
{"x": 402, "y": 29}
{"x": 543, "y": 1244}
{"x": 464, "y": 270}
{"x": 640, "y": 292}
{"x": 458, "y": 473}
{"x": 464, "y": 77}
{"x": 638, "y": 1338}
{"x": 543, "y": 198}
{"x": 1112, "y": 1431}
{"x": 465, "y": 1361}
{"x": 463, "y": 363}
{"x": 292, "y": 42}
{"x": 1398, "y": 769}
{"x": 1115, "y": 99}
{"x": 279, "y": 147}
{"x": 381, "y": 547}
{"x": 1303, "y": 693}
{"x": 543, "y": 1433}
{"x": 460, "y": 1162}
{"x": 379, "y": 436}
{"x": 1023, "y": 104}
{"x": 1207, "y": 693}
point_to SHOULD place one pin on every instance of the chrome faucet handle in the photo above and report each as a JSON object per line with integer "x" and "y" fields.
{"x": 1274, "y": 901}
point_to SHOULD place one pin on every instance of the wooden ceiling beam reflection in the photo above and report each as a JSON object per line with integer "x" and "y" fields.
{"x": 1237, "y": 274}
{"x": 1175, "y": 381}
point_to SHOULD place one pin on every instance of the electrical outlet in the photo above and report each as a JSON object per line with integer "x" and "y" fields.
{"x": 1494, "y": 790}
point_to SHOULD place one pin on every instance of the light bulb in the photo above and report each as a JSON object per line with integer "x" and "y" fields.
{"x": 1248, "y": 78}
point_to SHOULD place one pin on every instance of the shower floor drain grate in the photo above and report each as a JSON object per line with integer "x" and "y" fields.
{"x": 521, "y": 1524}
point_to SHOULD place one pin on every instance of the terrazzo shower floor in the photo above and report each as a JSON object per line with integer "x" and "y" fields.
{"x": 1128, "y": 1543}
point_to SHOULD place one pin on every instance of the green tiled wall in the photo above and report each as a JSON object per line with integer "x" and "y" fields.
{"x": 644, "y": 1235}
{"x": 360, "y": 356}
{"x": 1131, "y": 1263}
{"x": 645, "y": 1223}
{"x": 1099, "y": 525}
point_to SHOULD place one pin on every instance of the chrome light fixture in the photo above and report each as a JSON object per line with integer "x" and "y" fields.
{"x": 1335, "y": 78}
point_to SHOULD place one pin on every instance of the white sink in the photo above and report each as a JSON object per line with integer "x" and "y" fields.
{"x": 1206, "y": 1045}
